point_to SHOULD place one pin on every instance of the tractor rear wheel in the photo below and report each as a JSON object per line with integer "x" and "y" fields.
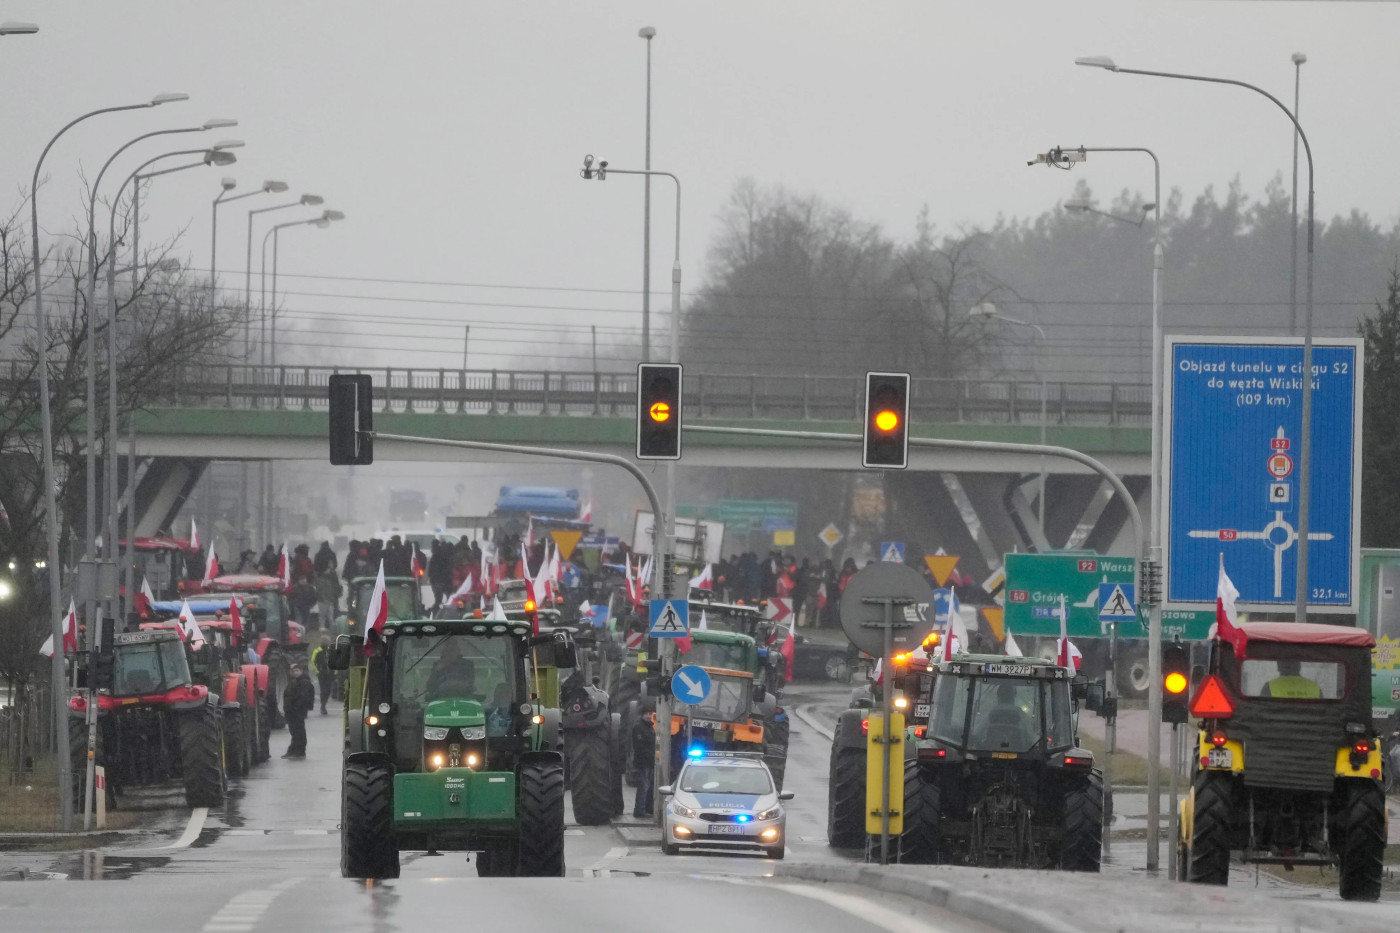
{"x": 202, "y": 756}
{"x": 845, "y": 818}
{"x": 278, "y": 674}
{"x": 235, "y": 741}
{"x": 590, "y": 766}
{"x": 541, "y": 842}
{"x": 1083, "y": 844}
{"x": 1363, "y": 841}
{"x": 368, "y": 846}
{"x": 923, "y": 808}
{"x": 775, "y": 747}
{"x": 1210, "y": 829}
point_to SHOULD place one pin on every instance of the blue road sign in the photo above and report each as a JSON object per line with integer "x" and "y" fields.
{"x": 670, "y": 618}
{"x": 690, "y": 684}
{"x": 892, "y": 552}
{"x": 1117, "y": 602}
{"x": 1233, "y": 420}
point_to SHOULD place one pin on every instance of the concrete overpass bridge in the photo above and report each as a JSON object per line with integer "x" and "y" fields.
{"x": 250, "y": 413}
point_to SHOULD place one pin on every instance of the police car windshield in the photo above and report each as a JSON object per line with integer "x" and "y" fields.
{"x": 725, "y": 778}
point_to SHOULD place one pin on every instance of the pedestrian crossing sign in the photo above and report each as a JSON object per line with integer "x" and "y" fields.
{"x": 1117, "y": 603}
{"x": 892, "y": 552}
{"x": 670, "y": 618}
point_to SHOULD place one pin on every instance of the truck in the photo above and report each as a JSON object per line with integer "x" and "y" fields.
{"x": 451, "y": 748}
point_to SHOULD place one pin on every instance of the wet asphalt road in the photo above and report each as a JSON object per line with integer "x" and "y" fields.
{"x": 269, "y": 861}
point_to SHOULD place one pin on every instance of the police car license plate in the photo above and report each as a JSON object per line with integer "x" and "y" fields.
{"x": 920, "y": 710}
{"x": 725, "y": 829}
{"x": 1220, "y": 758}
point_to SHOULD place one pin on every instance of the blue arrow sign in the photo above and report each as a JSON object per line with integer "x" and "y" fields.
{"x": 1117, "y": 602}
{"x": 670, "y": 618}
{"x": 690, "y": 684}
{"x": 1234, "y": 421}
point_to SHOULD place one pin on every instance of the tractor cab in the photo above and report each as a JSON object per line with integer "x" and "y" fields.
{"x": 148, "y": 662}
{"x": 1005, "y": 707}
{"x": 405, "y": 602}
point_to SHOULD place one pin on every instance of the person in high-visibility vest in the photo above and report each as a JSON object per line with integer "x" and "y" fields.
{"x": 1290, "y": 684}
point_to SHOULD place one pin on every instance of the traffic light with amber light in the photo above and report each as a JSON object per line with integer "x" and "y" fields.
{"x": 658, "y": 411}
{"x": 1176, "y": 681}
{"x": 886, "y": 434}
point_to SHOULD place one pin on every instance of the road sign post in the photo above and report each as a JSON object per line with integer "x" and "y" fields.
{"x": 1233, "y": 413}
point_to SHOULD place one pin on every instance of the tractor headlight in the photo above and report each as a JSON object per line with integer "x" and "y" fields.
{"x": 770, "y": 814}
{"x": 472, "y": 733}
{"x": 682, "y": 810}
{"x": 434, "y": 733}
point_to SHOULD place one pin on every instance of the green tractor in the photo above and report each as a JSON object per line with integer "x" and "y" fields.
{"x": 405, "y": 602}
{"x": 452, "y": 748}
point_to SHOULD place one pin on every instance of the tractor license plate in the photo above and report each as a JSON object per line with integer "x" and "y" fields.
{"x": 707, "y": 723}
{"x": 1220, "y": 758}
{"x": 722, "y": 829}
{"x": 920, "y": 710}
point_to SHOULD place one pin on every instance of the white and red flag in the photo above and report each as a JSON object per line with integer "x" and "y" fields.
{"x": 1227, "y": 620}
{"x": 194, "y": 535}
{"x": 1066, "y": 654}
{"x": 211, "y": 566}
{"x": 539, "y": 587}
{"x": 462, "y": 591}
{"x": 1013, "y": 650}
{"x": 644, "y": 575}
{"x": 189, "y": 627}
{"x": 498, "y": 612}
{"x": 704, "y": 580}
{"x": 235, "y": 616}
{"x": 555, "y": 570}
{"x": 141, "y": 602}
{"x": 377, "y": 610}
{"x": 70, "y": 633}
{"x": 821, "y": 596}
{"x": 587, "y": 513}
{"x": 955, "y": 633}
{"x": 789, "y": 648}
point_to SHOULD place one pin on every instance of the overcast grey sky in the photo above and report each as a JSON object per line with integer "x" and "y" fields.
{"x": 451, "y": 133}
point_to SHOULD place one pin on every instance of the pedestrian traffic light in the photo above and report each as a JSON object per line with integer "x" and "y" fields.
{"x": 658, "y": 411}
{"x": 352, "y": 420}
{"x": 1176, "y": 681}
{"x": 886, "y": 421}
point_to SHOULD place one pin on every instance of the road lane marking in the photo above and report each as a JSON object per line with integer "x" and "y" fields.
{"x": 243, "y": 911}
{"x": 860, "y": 908}
{"x": 803, "y": 715}
{"x": 613, "y": 855}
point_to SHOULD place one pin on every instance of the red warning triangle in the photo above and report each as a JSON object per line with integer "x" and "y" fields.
{"x": 1211, "y": 701}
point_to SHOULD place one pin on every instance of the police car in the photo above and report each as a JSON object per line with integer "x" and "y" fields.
{"x": 724, "y": 800}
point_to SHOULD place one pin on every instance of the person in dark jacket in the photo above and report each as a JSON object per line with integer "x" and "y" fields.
{"x": 644, "y": 757}
{"x": 297, "y": 700}
{"x": 325, "y": 559}
{"x": 440, "y": 573}
{"x": 267, "y": 564}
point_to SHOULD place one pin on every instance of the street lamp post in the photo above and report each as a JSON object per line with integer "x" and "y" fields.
{"x": 1300, "y": 608}
{"x": 1298, "y": 59}
{"x": 227, "y": 185}
{"x": 1066, "y": 158}
{"x": 648, "y": 33}
{"x": 210, "y": 157}
{"x": 663, "y": 547}
{"x": 60, "y": 706}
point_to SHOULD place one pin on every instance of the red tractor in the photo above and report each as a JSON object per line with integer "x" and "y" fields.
{"x": 154, "y": 724}
{"x": 276, "y": 638}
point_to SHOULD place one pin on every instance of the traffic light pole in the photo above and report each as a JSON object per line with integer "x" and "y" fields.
{"x": 1154, "y": 615}
{"x": 1173, "y": 827}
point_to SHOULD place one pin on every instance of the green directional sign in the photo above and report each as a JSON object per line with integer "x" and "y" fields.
{"x": 1035, "y": 583}
{"x": 742, "y": 515}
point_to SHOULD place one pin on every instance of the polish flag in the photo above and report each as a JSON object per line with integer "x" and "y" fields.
{"x": 704, "y": 580}
{"x": 211, "y": 566}
{"x": 555, "y": 571}
{"x": 955, "y": 635}
{"x": 789, "y": 648}
{"x": 821, "y": 597}
{"x": 194, "y": 535}
{"x": 416, "y": 568}
{"x": 498, "y": 612}
{"x": 1227, "y": 620}
{"x": 644, "y": 576}
{"x": 485, "y": 575}
{"x": 189, "y": 627}
{"x": 1013, "y": 650}
{"x": 235, "y": 617}
{"x": 539, "y": 587}
{"x": 587, "y": 513}
{"x": 70, "y": 633}
{"x": 1067, "y": 655}
{"x": 142, "y": 601}
{"x": 377, "y": 612}
{"x": 632, "y": 589}
{"x": 462, "y": 591}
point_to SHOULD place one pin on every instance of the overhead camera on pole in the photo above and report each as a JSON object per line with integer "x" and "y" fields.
{"x": 600, "y": 173}
{"x": 1061, "y": 158}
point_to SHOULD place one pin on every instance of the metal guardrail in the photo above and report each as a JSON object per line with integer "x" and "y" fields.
{"x": 706, "y": 395}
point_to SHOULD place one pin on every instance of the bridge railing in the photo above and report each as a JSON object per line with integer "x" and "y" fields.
{"x": 706, "y": 395}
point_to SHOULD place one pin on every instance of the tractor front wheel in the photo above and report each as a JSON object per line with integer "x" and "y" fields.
{"x": 1083, "y": 844}
{"x": 202, "y": 756}
{"x": 1209, "y": 861}
{"x": 1363, "y": 841}
{"x": 845, "y": 819}
{"x": 541, "y": 842}
{"x": 590, "y": 766}
{"x": 368, "y": 846}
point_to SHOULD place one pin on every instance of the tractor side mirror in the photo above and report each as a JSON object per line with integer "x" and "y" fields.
{"x": 1094, "y": 696}
{"x": 758, "y": 692}
{"x": 566, "y": 654}
{"x": 339, "y": 655}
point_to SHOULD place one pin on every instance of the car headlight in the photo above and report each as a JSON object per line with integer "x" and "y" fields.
{"x": 770, "y": 814}
{"x": 682, "y": 810}
{"x": 434, "y": 733}
{"x": 473, "y": 732}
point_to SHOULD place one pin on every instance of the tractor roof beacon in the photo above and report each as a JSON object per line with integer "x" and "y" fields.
{"x": 1288, "y": 766}
{"x": 452, "y": 748}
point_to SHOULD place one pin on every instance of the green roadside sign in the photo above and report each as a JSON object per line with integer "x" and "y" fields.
{"x": 1035, "y": 583}
{"x": 740, "y": 515}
